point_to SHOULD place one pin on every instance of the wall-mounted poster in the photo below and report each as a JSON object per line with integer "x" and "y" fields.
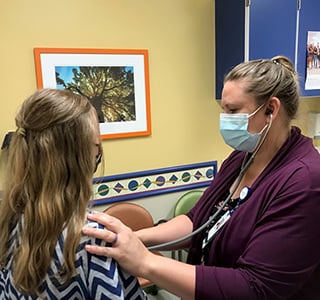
{"x": 313, "y": 61}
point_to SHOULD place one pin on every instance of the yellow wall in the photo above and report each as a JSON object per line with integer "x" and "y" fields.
{"x": 179, "y": 35}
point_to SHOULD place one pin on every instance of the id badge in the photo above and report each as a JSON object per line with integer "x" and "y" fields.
{"x": 215, "y": 228}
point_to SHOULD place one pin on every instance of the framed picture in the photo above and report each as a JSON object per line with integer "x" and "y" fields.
{"x": 116, "y": 82}
{"x": 312, "y": 81}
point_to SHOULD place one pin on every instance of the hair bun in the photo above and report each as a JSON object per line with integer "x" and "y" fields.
{"x": 284, "y": 61}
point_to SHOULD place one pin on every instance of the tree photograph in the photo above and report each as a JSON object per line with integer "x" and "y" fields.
{"x": 110, "y": 89}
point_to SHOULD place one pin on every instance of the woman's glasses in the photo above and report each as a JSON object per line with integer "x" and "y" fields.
{"x": 98, "y": 156}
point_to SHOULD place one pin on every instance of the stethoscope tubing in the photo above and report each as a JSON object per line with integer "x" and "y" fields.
{"x": 244, "y": 168}
{"x": 202, "y": 227}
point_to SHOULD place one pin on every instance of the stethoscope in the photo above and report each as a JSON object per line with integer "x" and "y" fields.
{"x": 212, "y": 217}
{"x": 245, "y": 165}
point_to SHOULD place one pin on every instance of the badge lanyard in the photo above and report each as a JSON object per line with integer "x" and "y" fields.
{"x": 216, "y": 226}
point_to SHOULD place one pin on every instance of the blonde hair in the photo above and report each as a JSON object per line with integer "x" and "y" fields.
{"x": 50, "y": 168}
{"x": 266, "y": 78}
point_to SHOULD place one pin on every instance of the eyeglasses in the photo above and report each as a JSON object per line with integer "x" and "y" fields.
{"x": 98, "y": 156}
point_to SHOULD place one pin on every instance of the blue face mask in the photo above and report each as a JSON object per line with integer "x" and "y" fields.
{"x": 234, "y": 130}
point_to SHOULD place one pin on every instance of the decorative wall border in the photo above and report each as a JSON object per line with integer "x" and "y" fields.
{"x": 129, "y": 186}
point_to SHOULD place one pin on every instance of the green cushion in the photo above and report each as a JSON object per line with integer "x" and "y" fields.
{"x": 186, "y": 202}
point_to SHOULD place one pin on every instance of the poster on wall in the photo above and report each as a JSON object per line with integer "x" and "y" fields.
{"x": 313, "y": 61}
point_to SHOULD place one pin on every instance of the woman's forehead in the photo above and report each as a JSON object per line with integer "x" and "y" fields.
{"x": 234, "y": 94}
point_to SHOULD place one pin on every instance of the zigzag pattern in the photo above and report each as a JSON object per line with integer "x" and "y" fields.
{"x": 96, "y": 277}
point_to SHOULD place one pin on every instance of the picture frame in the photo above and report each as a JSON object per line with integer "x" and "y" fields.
{"x": 312, "y": 68}
{"x": 116, "y": 82}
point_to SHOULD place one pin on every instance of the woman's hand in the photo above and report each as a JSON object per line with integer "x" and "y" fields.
{"x": 129, "y": 251}
{"x": 126, "y": 249}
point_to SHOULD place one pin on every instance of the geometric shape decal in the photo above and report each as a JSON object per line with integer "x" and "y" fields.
{"x": 133, "y": 185}
{"x": 118, "y": 188}
{"x": 173, "y": 179}
{"x": 198, "y": 175}
{"x": 186, "y": 177}
{"x": 103, "y": 190}
{"x": 160, "y": 181}
{"x": 209, "y": 173}
{"x": 147, "y": 183}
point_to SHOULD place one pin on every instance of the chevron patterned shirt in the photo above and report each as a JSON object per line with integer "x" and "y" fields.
{"x": 96, "y": 277}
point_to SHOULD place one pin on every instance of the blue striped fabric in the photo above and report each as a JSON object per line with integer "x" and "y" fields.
{"x": 96, "y": 277}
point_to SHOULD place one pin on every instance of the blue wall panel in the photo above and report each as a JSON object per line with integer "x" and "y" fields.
{"x": 272, "y": 31}
{"x": 272, "y": 28}
{"x": 229, "y": 29}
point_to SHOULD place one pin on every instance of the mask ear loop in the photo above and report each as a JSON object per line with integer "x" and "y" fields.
{"x": 264, "y": 137}
{"x": 253, "y": 113}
